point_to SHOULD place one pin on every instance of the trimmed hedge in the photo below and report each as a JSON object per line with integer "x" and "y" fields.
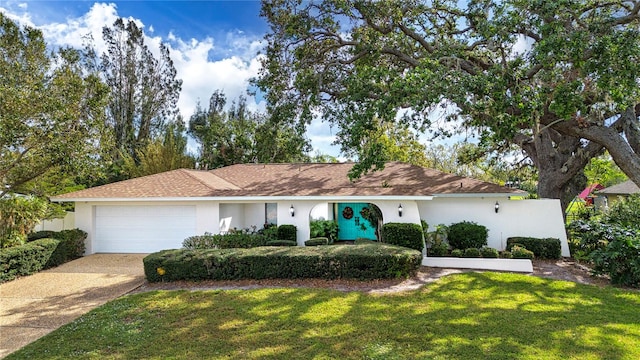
{"x": 288, "y": 232}
{"x": 317, "y": 241}
{"x": 71, "y": 247}
{"x": 43, "y": 253}
{"x": 280, "y": 242}
{"x": 42, "y": 234}
{"x": 26, "y": 259}
{"x": 438, "y": 250}
{"x": 403, "y": 234}
{"x": 466, "y": 234}
{"x": 547, "y": 248}
{"x": 226, "y": 241}
{"x": 373, "y": 261}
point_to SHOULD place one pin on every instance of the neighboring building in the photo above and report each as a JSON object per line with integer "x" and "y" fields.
{"x": 623, "y": 189}
{"x": 159, "y": 211}
{"x": 588, "y": 194}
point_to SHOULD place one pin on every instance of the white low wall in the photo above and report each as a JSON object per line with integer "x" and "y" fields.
{"x": 517, "y": 265}
{"x": 539, "y": 218}
{"x": 66, "y": 223}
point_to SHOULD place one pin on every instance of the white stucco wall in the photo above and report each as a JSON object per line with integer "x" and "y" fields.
{"x": 254, "y": 215}
{"x": 322, "y": 211}
{"x": 535, "y": 218}
{"x": 243, "y": 215}
{"x": 85, "y": 215}
{"x": 234, "y": 212}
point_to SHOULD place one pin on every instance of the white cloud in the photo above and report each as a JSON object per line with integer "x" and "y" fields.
{"x": 200, "y": 76}
{"x": 226, "y": 63}
{"x": 322, "y": 136}
{"x": 23, "y": 17}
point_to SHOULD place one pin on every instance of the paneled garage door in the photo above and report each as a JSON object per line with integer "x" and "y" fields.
{"x": 142, "y": 229}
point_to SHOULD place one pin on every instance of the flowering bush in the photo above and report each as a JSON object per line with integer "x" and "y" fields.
{"x": 620, "y": 259}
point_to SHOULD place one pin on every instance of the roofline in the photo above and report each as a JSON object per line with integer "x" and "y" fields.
{"x": 288, "y": 198}
{"x": 249, "y": 198}
{"x": 479, "y": 195}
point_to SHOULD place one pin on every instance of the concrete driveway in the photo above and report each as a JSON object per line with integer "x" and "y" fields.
{"x": 35, "y": 305}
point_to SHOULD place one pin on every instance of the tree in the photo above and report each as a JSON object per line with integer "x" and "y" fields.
{"x": 558, "y": 79}
{"x": 237, "y": 135}
{"x": 319, "y": 157}
{"x": 162, "y": 154}
{"x": 602, "y": 170}
{"x": 51, "y": 112}
{"x": 144, "y": 89}
{"x": 390, "y": 142}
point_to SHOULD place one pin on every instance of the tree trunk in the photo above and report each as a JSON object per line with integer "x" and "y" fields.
{"x": 620, "y": 145}
{"x": 560, "y": 161}
{"x": 550, "y": 186}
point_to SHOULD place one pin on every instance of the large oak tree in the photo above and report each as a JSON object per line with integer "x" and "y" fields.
{"x": 557, "y": 79}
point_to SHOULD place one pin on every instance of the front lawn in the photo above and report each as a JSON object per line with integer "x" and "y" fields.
{"x": 465, "y": 316}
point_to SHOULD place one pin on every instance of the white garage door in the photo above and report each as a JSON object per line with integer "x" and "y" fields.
{"x": 142, "y": 229}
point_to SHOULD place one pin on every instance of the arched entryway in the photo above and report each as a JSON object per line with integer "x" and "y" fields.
{"x": 322, "y": 223}
{"x": 358, "y": 221}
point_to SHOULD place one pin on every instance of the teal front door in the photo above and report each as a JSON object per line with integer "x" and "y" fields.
{"x": 351, "y": 224}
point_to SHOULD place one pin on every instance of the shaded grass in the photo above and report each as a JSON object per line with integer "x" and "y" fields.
{"x": 464, "y": 316}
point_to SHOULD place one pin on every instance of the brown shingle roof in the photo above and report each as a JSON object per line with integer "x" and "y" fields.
{"x": 625, "y": 188}
{"x": 175, "y": 183}
{"x": 397, "y": 179}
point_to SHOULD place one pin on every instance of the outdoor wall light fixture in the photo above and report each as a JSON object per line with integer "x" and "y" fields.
{"x": 400, "y": 210}
{"x": 292, "y": 211}
{"x": 497, "y": 207}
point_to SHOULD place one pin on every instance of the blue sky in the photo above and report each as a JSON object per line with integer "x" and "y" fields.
{"x": 214, "y": 44}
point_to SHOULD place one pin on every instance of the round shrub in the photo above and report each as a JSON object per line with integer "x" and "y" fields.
{"x": 471, "y": 253}
{"x": 317, "y": 241}
{"x": 403, "y": 234}
{"x": 466, "y": 234}
{"x": 518, "y": 252}
{"x": 288, "y": 232}
{"x": 438, "y": 250}
{"x": 506, "y": 255}
{"x": 206, "y": 241}
{"x": 489, "y": 253}
{"x": 456, "y": 253}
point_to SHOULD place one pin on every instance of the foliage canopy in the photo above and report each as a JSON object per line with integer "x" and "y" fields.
{"x": 557, "y": 80}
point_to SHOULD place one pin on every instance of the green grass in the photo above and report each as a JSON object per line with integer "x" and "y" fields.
{"x": 465, "y": 316}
